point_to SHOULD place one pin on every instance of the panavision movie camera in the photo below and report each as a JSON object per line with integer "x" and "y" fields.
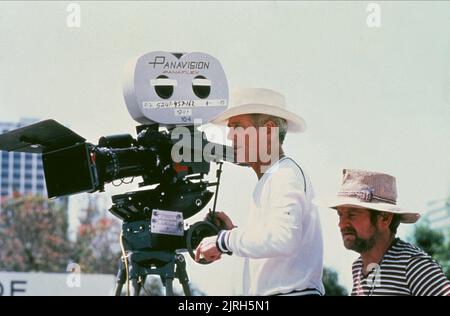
{"x": 168, "y": 94}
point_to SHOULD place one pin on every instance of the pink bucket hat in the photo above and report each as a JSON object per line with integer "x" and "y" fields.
{"x": 370, "y": 190}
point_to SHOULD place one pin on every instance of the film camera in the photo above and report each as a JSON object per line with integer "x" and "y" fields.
{"x": 168, "y": 94}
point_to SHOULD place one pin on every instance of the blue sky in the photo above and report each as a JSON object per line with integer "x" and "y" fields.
{"x": 373, "y": 98}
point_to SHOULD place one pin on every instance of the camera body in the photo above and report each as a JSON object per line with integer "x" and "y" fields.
{"x": 164, "y": 92}
{"x": 84, "y": 167}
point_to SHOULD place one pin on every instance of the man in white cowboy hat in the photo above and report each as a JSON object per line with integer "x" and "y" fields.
{"x": 368, "y": 220}
{"x": 282, "y": 243}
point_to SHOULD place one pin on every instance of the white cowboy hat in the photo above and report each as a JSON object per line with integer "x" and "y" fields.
{"x": 370, "y": 190}
{"x": 263, "y": 101}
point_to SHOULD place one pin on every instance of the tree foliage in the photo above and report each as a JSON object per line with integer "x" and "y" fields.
{"x": 96, "y": 248}
{"x": 33, "y": 235}
{"x": 331, "y": 284}
{"x": 435, "y": 243}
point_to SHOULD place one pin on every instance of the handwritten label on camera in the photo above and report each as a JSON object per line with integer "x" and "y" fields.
{"x": 169, "y": 104}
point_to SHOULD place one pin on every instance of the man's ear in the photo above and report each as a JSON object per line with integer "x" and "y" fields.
{"x": 270, "y": 125}
{"x": 385, "y": 219}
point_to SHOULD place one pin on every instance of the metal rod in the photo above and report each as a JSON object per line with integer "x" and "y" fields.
{"x": 219, "y": 173}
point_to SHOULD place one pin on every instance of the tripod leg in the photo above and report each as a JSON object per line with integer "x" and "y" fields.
{"x": 182, "y": 274}
{"x": 118, "y": 288}
{"x": 169, "y": 286}
{"x": 141, "y": 284}
{"x": 135, "y": 287}
{"x": 186, "y": 288}
{"x": 120, "y": 279}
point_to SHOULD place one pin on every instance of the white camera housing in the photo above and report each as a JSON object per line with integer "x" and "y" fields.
{"x": 175, "y": 88}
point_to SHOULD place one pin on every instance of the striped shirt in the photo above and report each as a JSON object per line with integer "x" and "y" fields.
{"x": 404, "y": 270}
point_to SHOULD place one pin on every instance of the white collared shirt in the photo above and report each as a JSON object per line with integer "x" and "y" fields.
{"x": 282, "y": 242}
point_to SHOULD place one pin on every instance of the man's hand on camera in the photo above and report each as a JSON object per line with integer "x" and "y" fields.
{"x": 221, "y": 220}
{"x": 207, "y": 250}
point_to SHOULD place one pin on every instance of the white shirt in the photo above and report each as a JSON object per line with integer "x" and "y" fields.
{"x": 282, "y": 243}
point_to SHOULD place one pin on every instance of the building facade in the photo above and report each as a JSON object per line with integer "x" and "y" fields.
{"x": 438, "y": 216}
{"x": 21, "y": 173}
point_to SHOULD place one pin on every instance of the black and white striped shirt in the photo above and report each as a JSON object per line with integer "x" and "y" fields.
{"x": 404, "y": 270}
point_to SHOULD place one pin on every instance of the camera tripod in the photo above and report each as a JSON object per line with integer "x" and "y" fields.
{"x": 146, "y": 252}
{"x": 168, "y": 265}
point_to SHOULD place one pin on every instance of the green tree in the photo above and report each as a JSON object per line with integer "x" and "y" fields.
{"x": 331, "y": 284}
{"x": 435, "y": 243}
